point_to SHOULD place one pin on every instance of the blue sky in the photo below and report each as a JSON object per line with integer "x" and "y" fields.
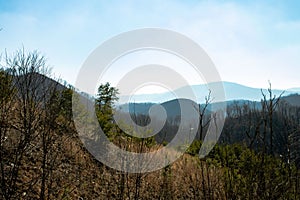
{"x": 250, "y": 42}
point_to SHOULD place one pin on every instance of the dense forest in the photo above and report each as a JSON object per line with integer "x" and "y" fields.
{"x": 42, "y": 157}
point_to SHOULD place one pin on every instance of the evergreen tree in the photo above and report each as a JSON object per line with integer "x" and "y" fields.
{"x": 106, "y": 97}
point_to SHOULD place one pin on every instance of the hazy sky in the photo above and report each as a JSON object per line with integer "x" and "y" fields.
{"x": 250, "y": 42}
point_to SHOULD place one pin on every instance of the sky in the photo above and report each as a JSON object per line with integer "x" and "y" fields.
{"x": 250, "y": 42}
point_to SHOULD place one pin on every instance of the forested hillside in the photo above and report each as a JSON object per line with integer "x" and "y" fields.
{"x": 42, "y": 157}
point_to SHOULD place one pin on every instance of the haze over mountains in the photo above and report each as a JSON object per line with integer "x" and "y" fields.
{"x": 233, "y": 91}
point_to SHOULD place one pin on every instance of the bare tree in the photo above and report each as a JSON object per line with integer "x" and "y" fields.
{"x": 6, "y": 108}
{"x": 31, "y": 129}
{"x": 269, "y": 106}
{"x": 203, "y": 122}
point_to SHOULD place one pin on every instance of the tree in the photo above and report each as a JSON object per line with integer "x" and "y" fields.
{"x": 106, "y": 97}
{"x": 6, "y": 107}
{"x": 27, "y": 100}
{"x": 202, "y": 115}
{"x": 269, "y": 106}
{"x": 31, "y": 119}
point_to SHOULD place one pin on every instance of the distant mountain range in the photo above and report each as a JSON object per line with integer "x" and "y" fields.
{"x": 143, "y": 102}
{"x": 233, "y": 91}
{"x": 172, "y": 107}
{"x": 235, "y": 94}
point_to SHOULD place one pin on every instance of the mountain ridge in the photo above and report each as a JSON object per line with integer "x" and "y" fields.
{"x": 233, "y": 91}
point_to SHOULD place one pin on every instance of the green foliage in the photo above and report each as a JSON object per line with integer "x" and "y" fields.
{"x": 106, "y": 97}
{"x": 249, "y": 175}
{"x": 194, "y": 148}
